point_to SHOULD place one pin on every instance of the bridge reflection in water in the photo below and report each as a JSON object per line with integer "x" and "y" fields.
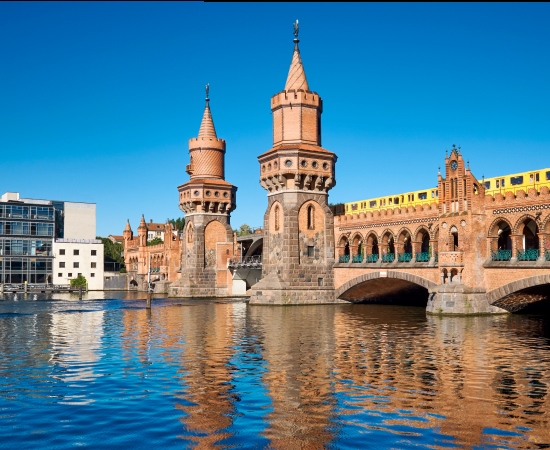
{"x": 207, "y": 374}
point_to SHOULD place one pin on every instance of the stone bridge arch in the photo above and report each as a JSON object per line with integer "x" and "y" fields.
{"x": 518, "y": 294}
{"x": 414, "y": 279}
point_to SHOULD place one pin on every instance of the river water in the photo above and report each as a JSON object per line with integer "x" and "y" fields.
{"x": 108, "y": 373}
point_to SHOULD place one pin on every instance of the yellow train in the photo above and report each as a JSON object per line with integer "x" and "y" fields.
{"x": 516, "y": 181}
{"x": 413, "y": 198}
{"x": 505, "y": 183}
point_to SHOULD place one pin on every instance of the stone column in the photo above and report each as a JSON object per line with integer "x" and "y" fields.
{"x": 543, "y": 239}
{"x": 492, "y": 245}
{"x": 516, "y": 239}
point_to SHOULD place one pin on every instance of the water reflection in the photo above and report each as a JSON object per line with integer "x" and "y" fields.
{"x": 203, "y": 374}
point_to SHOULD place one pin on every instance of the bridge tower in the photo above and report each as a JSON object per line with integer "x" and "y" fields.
{"x": 297, "y": 173}
{"x": 207, "y": 201}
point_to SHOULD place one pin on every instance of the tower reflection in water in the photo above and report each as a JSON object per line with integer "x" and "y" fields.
{"x": 316, "y": 376}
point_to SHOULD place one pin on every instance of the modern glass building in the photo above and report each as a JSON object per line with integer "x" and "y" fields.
{"x": 27, "y": 230}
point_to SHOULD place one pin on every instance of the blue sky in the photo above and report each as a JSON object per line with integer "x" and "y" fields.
{"x": 98, "y": 100}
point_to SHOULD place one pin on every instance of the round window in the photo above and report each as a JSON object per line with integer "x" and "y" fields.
{"x": 325, "y": 166}
{"x": 196, "y": 193}
{"x": 208, "y": 193}
{"x": 263, "y": 168}
{"x": 225, "y": 194}
{"x": 217, "y": 194}
{"x": 314, "y": 164}
{"x": 303, "y": 163}
{"x": 288, "y": 163}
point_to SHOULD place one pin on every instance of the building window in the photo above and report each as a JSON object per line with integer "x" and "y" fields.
{"x": 310, "y": 251}
{"x": 277, "y": 218}
{"x": 92, "y": 275}
{"x": 61, "y": 251}
{"x": 69, "y": 275}
{"x": 94, "y": 252}
{"x": 75, "y": 265}
{"x": 76, "y": 252}
{"x": 93, "y": 265}
{"x": 60, "y": 275}
{"x": 61, "y": 264}
{"x": 79, "y": 274}
{"x": 310, "y": 217}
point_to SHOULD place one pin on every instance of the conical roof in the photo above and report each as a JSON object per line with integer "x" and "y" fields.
{"x": 296, "y": 75}
{"x": 207, "y": 129}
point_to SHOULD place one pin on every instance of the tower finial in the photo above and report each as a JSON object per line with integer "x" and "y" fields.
{"x": 296, "y": 31}
{"x": 207, "y": 88}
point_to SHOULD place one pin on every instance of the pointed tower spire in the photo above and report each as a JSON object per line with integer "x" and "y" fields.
{"x": 207, "y": 129}
{"x": 296, "y": 75}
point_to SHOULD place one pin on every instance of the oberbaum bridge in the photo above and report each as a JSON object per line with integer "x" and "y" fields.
{"x": 461, "y": 247}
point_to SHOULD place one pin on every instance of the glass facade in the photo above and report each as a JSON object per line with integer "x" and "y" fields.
{"x": 26, "y": 238}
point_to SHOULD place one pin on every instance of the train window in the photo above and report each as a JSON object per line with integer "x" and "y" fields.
{"x": 372, "y": 204}
{"x": 487, "y": 185}
{"x": 516, "y": 180}
{"x": 389, "y": 201}
{"x": 354, "y": 207}
{"x": 548, "y": 175}
{"x": 537, "y": 177}
{"x": 497, "y": 183}
{"x": 502, "y": 182}
{"x": 423, "y": 196}
{"x": 396, "y": 200}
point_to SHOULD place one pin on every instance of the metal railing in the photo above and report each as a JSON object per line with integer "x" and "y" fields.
{"x": 343, "y": 259}
{"x": 249, "y": 262}
{"x": 404, "y": 257}
{"x": 388, "y": 258}
{"x": 372, "y": 258}
{"x": 357, "y": 259}
{"x": 547, "y": 255}
{"x": 531, "y": 254}
{"x": 422, "y": 257}
{"x": 501, "y": 255}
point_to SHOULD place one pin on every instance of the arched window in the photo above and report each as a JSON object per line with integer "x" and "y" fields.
{"x": 454, "y": 244}
{"x": 310, "y": 217}
{"x": 277, "y": 218}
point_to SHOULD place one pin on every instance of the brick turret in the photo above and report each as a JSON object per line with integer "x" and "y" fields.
{"x": 297, "y": 174}
{"x": 207, "y": 201}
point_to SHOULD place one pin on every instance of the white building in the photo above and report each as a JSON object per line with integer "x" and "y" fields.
{"x": 73, "y": 257}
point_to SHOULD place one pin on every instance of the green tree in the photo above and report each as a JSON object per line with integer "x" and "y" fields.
{"x": 112, "y": 251}
{"x": 79, "y": 281}
{"x": 155, "y": 241}
{"x": 177, "y": 224}
{"x": 243, "y": 230}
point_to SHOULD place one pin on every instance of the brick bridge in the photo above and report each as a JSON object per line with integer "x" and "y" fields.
{"x": 467, "y": 252}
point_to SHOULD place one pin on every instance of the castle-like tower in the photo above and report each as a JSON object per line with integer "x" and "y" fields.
{"x": 207, "y": 201}
{"x": 297, "y": 173}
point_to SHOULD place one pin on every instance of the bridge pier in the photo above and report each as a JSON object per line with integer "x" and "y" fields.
{"x": 459, "y": 299}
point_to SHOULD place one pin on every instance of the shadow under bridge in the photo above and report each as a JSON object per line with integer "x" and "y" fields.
{"x": 386, "y": 287}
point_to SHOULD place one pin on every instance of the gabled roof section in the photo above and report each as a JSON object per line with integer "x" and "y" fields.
{"x": 296, "y": 75}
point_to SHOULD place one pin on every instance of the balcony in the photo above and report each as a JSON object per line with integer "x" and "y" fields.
{"x": 357, "y": 259}
{"x": 343, "y": 259}
{"x": 189, "y": 168}
{"x": 451, "y": 259}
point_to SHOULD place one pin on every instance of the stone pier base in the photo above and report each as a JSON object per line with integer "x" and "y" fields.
{"x": 459, "y": 299}
{"x": 272, "y": 291}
